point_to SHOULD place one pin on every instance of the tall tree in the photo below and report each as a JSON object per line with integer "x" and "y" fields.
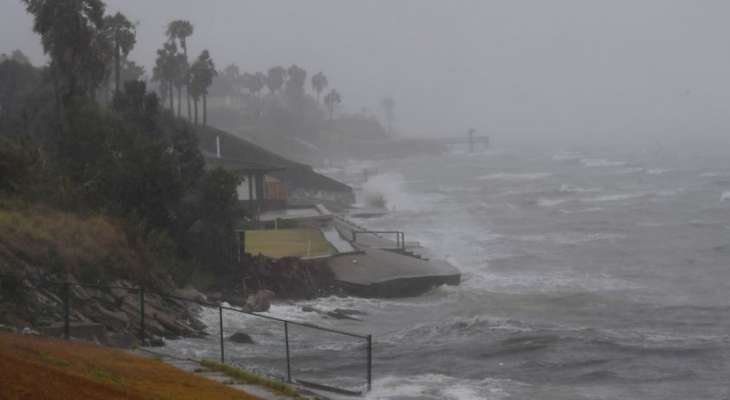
{"x": 71, "y": 34}
{"x": 297, "y": 80}
{"x": 180, "y": 79}
{"x": 332, "y": 100}
{"x": 181, "y": 30}
{"x": 388, "y": 105}
{"x": 319, "y": 83}
{"x": 167, "y": 70}
{"x": 253, "y": 82}
{"x": 123, "y": 36}
{"x": 202, "y": 73}
{"x": 275, "y": 78}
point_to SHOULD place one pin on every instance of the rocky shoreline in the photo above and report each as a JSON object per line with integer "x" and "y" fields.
{"x": 34, "y": 301}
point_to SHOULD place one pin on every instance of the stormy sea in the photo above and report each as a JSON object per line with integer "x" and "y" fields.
{"x": 586, "y": 275}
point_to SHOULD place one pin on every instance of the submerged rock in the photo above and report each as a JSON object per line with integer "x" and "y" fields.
{"x": 241, "y": 338}
{"x": 259, "y": 302}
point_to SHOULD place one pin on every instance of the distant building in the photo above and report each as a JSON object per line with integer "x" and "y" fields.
{"x": 257, "y": 192}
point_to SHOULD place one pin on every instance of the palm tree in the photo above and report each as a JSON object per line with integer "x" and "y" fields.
{"x": 275, "y": 78}
{"x": 297, "y": 80}
{"x": 121, "y": 33}
{"x": 253, "y": 82}
{"x": 202, "y": 73}
{"x": 70, "y": 33}
{"x": 388, "y": 105}
{"x": 332, "y": 99}
{"x": 319, "y": 83}
{"x": 181, "y": 30}
{"x": 180, "y": 78}
{"x": 166, "y": 70}
{"x": 259, "y": 82}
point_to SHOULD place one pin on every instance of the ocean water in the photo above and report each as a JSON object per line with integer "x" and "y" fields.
{"x": 585, "y": 276}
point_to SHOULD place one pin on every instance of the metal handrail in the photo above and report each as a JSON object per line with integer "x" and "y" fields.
{"x": 400, "y": 236}
{"x": 66, "y": 303}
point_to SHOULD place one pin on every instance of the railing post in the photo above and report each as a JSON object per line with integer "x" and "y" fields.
{"x": 288, "y": 359}
{"x": 220, "y": 328}
{"x": 354, "y": 236}
{"x": 141, "y": 315}
{"x": 370, "y": 362}
{"x": 66, "y": 311}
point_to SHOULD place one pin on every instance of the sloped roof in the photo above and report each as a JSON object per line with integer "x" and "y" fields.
{"x": 233, "y": 164}
{"x": 295, "y": 175}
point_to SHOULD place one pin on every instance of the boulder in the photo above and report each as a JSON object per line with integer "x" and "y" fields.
{"x": 241, "y": 338}
{"x": 191, "y": 293}
{"x": 259, "y": 302}
{"x": 123, "y": 340}
{"x": 114, "y": 320}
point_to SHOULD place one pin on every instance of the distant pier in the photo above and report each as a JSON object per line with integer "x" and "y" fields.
{"x": 471, "y": 140}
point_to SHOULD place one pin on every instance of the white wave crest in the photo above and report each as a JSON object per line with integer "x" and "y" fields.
{"x": 576, "y": 189}
{"x": 567, "y": 156}
{"x": 614, "y": 197}
{"x": 504, "y": 176}
{"x": 601, "y": 163}
{"x": 388, "y": 191}
{"x": 442, "y": 387}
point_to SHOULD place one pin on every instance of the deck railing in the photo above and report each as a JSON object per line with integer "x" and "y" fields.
{"x": 66, "y": 302}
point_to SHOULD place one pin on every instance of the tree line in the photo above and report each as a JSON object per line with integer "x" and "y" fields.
{"x": 85, "y": 134}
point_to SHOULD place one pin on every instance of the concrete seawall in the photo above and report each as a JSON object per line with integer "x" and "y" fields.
{"x": 382, "y": 268}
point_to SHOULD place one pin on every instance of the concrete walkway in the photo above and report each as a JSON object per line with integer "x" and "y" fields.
{"x": 194, "y": 367}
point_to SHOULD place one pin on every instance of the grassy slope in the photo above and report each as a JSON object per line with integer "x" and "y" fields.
{"x": 36, "y": 368}
{"x": 66, "y": 242}
{"x": 288, "y": 243}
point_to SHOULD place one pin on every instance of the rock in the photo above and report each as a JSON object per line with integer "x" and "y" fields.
{"x": 155, "y": 342}
{"x": 116, "y": 321}
{"x": 338, "y": 314}
{"x": 309, "y": 309}
{"x": 191, "y": 293}
{"x": 259, "y": 302}
{"x": 241, "y": 338}
{"x": 349, "y": 312}
{"x": 122, "y": 340}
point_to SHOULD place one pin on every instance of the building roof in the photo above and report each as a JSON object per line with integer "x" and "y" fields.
{"x": 233, "y": 164}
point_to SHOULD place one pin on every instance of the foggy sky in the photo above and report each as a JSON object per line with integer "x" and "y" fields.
{"x": 650, "y": 71}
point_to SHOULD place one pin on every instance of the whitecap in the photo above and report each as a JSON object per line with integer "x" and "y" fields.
{"x": 545, "y": 202}
{"x": 515, "y": 176}
{"x": 576, "y": 189}
{"x": 600, "y": 163}
{"x": 567, "y": 156}
{"x": 614, "y": 197}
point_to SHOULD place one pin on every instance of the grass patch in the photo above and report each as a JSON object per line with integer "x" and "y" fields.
{"x": 37, "y": 368}
{"x": 89, "y": 246}
{"x": 247, "y": 377}
{"x": 288, "y": 243}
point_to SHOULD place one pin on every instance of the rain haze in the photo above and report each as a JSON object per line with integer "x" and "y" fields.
{"x": 569, "y": 72}
{"x": 397, "y": 199}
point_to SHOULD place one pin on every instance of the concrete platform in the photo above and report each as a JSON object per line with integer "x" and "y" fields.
{"x": 382, "y": 273}
{"x": 378, "y": 269}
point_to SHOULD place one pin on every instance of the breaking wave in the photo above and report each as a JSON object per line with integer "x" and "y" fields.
{"x": 504, "y": 176}
{"x": 601, "y": 163}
